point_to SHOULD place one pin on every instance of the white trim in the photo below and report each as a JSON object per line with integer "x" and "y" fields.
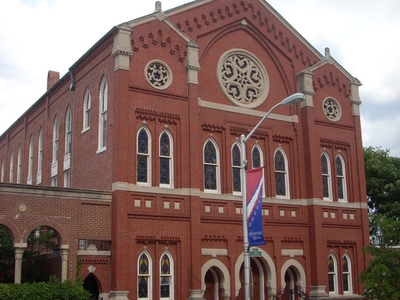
{"x": 171, "y": 275}
{"x": 246, "y": 111}
{"x": 350, "y": 281}
{"x": 239, "y": 193}
{"x": 148, "y": 155}
{"x": 217, "y": 266}
{"x": 300, "y": 273}
{"x": 343, "y": 178}
{"x": 150, "y": 276}
{"x": 217, "y": 170}
{"x": 103, "y": 105}
{"x": 286, "y": 174}
{"x": 335, "y": 275}
{"x": 171, "y": 159}
{"x": 329, "y": 176}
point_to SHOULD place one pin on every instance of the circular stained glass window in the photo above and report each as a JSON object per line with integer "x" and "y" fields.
{"x": 158, "y": 74}
{"x": 331, "y": 109}
{"x": 243, "y": 78}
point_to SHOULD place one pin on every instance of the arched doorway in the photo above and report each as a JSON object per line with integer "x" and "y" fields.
{"x": 90, "y": 284}
{"x": 215, "y": 280}
{"x": 257, "y": 278}
{"x": 7, "y": 259}
{"x": 42, "y": 256}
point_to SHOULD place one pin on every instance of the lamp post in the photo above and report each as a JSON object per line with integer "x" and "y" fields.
{"x": 292, "y": 99}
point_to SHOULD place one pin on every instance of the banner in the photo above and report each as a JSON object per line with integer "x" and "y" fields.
{"x": 254, "y": 206}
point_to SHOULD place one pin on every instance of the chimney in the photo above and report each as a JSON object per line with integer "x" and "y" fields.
{"x": 52, "y": 78}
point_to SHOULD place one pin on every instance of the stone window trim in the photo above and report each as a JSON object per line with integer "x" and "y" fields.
{"x": 331, "y": 109}
{"x": 160, "y": 77}
{"x": 262, "y": 87}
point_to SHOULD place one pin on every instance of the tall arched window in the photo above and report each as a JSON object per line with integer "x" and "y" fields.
{"x": 86, "y": 110}
{"x": 144, "y": 276}
{"x": 341, "y": 179}
{"x": 68, "y": 134}
{"x": 103, "y": 114}
{"x": 55, "y": 140}
{"x": 166, "y": 277}
{"x": 236, "y": 174}
{"x": 166, "y": 160}
{"x": 30, "y": 165}
{"x": 12, "y": 167}
{"x": 257, "y": 161}
{"x": 211, "y": 167}
{"x": 54, "y": 165}
{"x": 326, "y": 177}
{"x": 2, "y": 170}
{"x": 346, "y": 272}
{"x": 40, "y": 158}
{"x": 332, "y": 274}
{"x": 19, "y": 169}
{"x": 143, "y": 160}
{"x": 281, "y": 174}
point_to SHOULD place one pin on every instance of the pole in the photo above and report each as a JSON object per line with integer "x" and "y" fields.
{"x": 246, "y": 255}
{"x": 292, "y": 99}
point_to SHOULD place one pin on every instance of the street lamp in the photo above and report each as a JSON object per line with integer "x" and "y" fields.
{"x": 292, "y": 99}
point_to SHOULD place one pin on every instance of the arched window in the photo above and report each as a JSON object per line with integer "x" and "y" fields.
{"x": 2, "y": 170}
{"x": 144, "y": 276}
{"x": 211, "y": 167}
{"x": 30, "y": 165}
{"x": 341, "y": 179}
{"x": 332, "y": 274}
{"x": 86, "y": 110}
{"x": 12, "y": 167}
{"x": 236, "y": 174}
{"x": 166, "y": 160}
{"x": 68, "y": 135}
{"x": 103, "y": 114}
{"x": 326, "y": 177}
{"x": 54, "y": 165}
{"x": 19, "y": 169}
{"x": 257, "y": 160}
{"x": 143, "y": 161}
{"x": 166, "y": 277}
{"x": 346, "y": 272}
{"x": 55, "y": 140}
{"x": 40, "y": 157}
{"x": 281, "y": 174}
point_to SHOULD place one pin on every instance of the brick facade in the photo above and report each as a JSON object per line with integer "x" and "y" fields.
{"x": 199, "y": 229}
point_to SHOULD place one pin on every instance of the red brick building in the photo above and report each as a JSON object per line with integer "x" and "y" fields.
{"x": 133, "y": 159}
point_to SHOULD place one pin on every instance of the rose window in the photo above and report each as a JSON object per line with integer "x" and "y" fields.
{"x": 331, "y": 109}
{"x": 243, "y": 78}
{"x": 158, "y": 74}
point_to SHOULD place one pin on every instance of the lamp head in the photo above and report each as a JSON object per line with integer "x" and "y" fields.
{"x": 293, "y": 99}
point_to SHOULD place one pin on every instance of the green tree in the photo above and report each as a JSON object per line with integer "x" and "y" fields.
{"x": 381, "y": 278}
{"x": 382, "y": 173}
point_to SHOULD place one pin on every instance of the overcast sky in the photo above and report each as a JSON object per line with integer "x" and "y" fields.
{"x": 363, "y": 36}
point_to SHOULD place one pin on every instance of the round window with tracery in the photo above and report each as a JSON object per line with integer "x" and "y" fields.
{"x": 158, "y": 74}
{"x": 331, "y": 109}
{"x": 243, "y": 78}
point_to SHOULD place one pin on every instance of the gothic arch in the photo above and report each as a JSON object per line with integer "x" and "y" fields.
{"x": 298, "y": 269}
{"x": 222, "y": 270}
{"x": 269, "y": 265}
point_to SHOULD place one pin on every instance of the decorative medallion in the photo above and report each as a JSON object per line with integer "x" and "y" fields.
{"x": 158, "y": 74}
{"x": 331, "y": 109}
{"x": 22, "y": 207}
{"x": 243, "y": 78}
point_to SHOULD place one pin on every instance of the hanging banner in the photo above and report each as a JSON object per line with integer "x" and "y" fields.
{"x": 254, "y": 206}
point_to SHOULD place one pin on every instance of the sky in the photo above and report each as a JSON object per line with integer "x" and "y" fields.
{"x": 363, "y": 36}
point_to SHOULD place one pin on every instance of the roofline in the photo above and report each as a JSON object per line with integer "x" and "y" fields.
{"x": 61, "y": 81}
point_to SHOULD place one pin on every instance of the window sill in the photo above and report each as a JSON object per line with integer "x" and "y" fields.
{"x": 101, "y": 150}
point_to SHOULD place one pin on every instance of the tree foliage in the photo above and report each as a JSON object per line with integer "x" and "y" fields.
{"x": 382, "y": 173}
{"x": 381, "y": 278}
{"x": 53, "y": 289}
